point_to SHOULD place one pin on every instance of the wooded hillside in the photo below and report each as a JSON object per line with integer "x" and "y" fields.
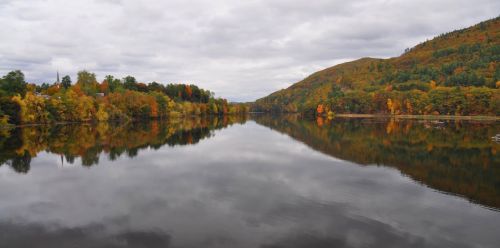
{"x": 456, "y": 73}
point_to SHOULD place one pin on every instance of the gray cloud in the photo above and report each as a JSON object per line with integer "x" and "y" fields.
{"x": 242, "y": 50}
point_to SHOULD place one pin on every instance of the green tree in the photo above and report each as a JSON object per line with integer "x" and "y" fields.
{"x": 87, "y": 81}
{"x": 114, "y": 84}
{"x": 13, "y": 83}
{"x": 66, "y": 82}
{"x": 130, "y": 83}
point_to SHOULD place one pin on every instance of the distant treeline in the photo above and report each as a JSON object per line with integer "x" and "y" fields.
{"x": 112, "y": 99}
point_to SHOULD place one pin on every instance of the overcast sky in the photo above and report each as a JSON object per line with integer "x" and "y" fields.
{"x": 241, "y": 50}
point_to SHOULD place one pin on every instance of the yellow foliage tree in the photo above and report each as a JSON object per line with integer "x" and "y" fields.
{"x": 35, "y": 110}
{"x": 17, "y": 99}
{"x": 390, "y": 105}
{"x": 409, "y": 107}
{"x": 433, "y": 84}
{"x": 101, "y": 114}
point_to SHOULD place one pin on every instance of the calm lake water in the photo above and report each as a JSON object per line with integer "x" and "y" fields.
{"x": 265, "y": 181}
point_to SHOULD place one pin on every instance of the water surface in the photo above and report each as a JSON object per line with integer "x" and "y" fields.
{"x": 265, "y": 182}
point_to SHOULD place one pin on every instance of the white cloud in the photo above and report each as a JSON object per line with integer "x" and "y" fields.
{"x": 242, "y": 50}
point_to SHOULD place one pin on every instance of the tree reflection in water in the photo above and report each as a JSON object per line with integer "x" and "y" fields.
{"x": 453, "y": 156}
{"x": 88, "y": 141}
{"x": 456, "y": 157}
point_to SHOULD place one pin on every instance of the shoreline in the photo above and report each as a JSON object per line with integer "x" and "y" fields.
{"x": 384, "y": 116}
{"x": 423, "y": 117}
{"x": 416, "y": 117}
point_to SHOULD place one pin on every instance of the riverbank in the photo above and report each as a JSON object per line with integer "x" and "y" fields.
{"x": 423, "y": 117}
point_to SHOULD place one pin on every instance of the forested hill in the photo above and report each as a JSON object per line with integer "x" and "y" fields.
{"x": 456, "y": 73}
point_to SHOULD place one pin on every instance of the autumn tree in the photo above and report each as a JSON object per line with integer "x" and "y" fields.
{"x": 188, "y": 92}
{"x": 35, "y": 111}
{"x": 320, "y": 109}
